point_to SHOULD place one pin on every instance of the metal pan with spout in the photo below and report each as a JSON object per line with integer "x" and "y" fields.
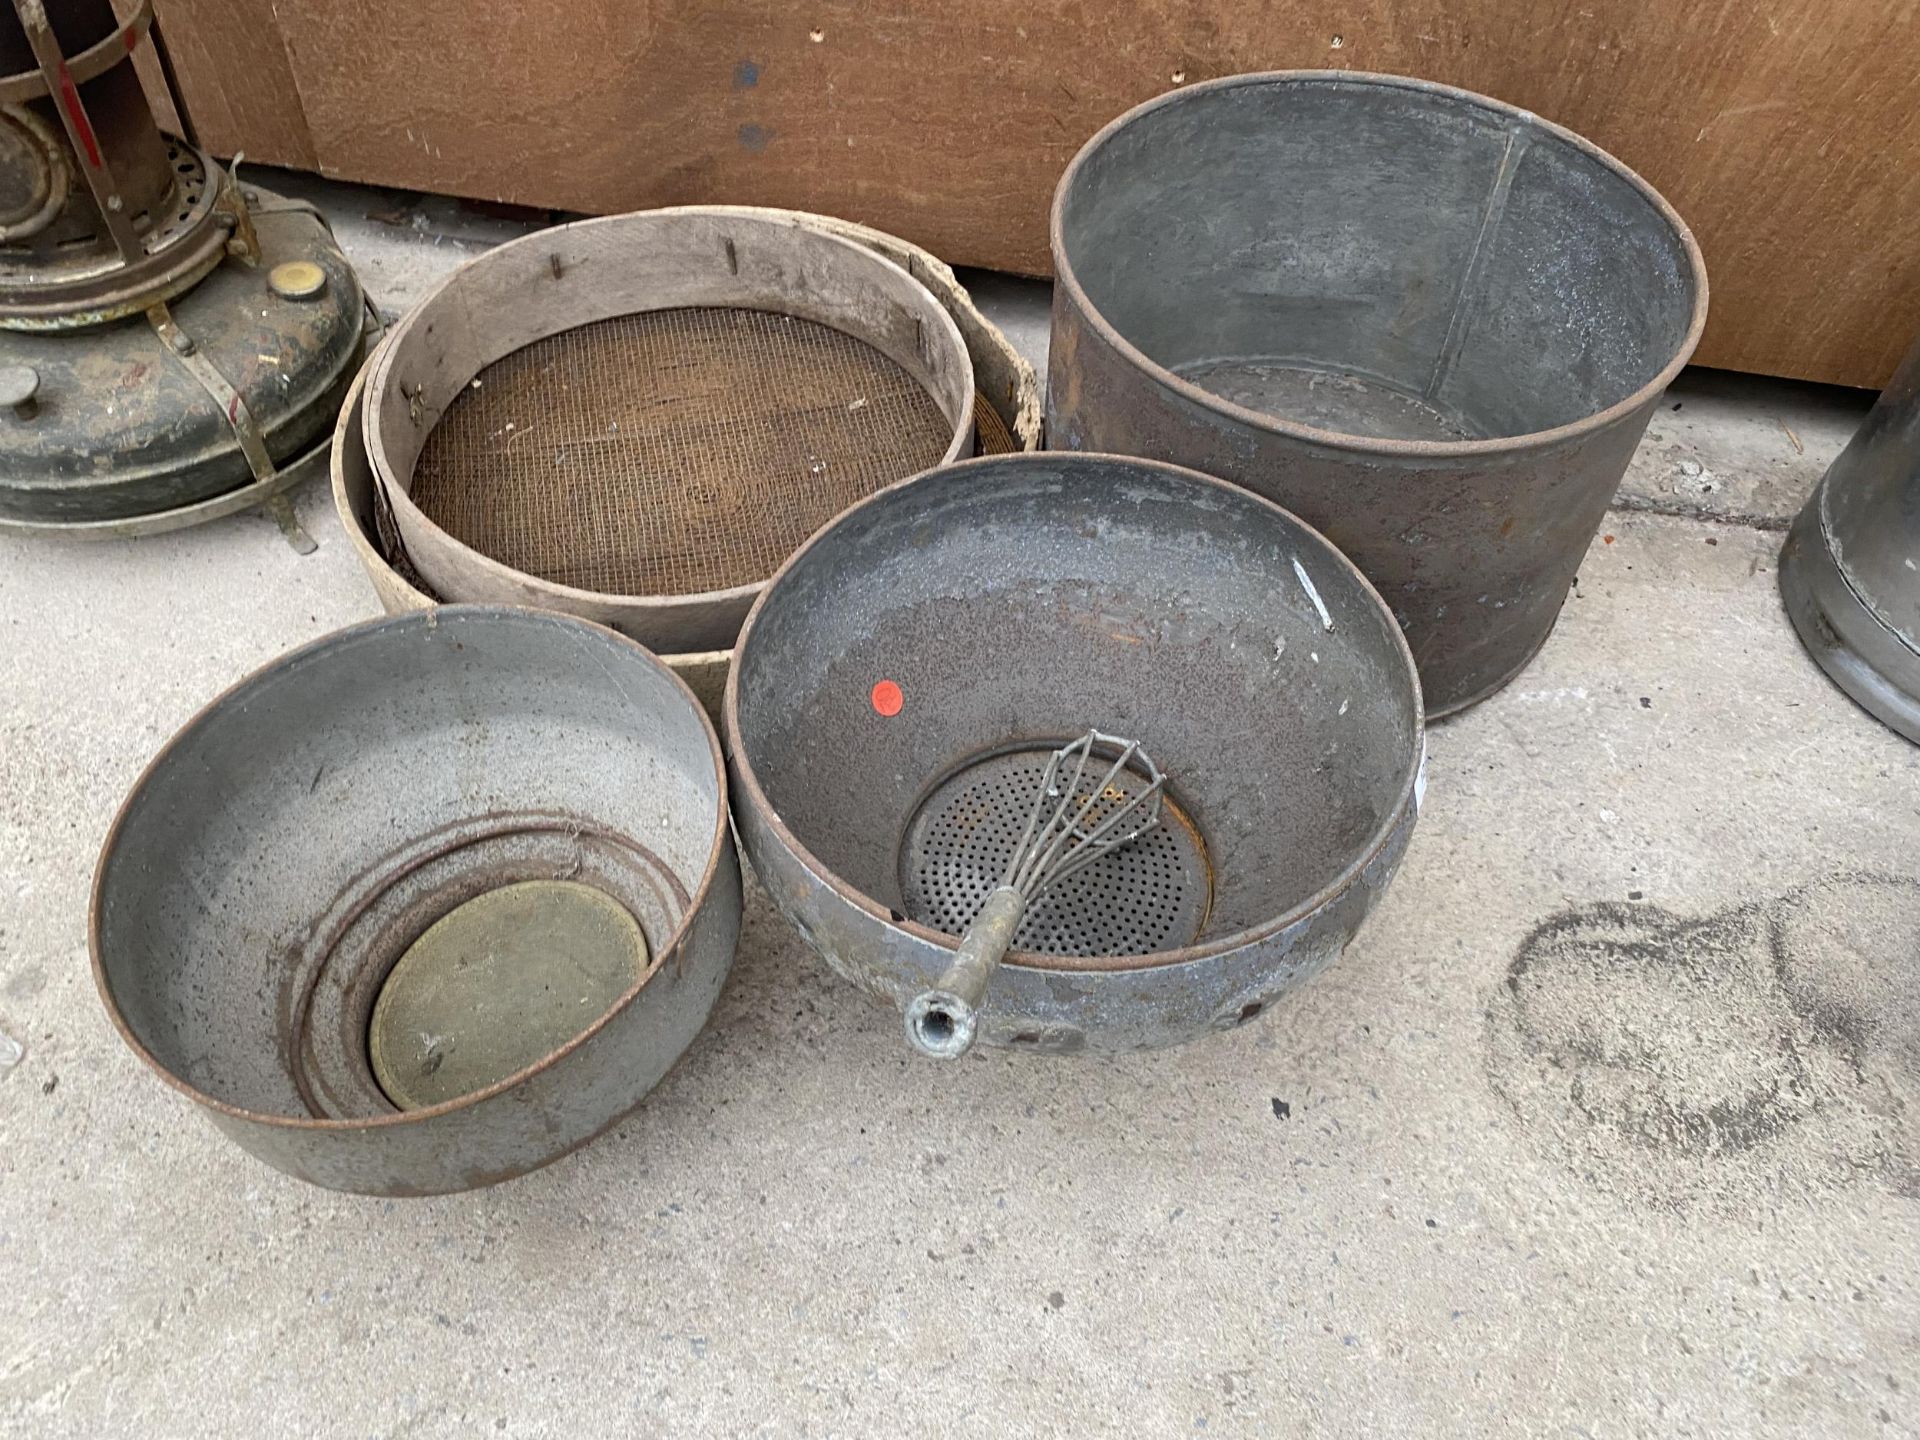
{"x": 901, "y": 688}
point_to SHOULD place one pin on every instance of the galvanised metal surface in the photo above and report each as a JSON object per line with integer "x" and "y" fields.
{"x": 1850, "y": 570}
{"x": 284, "y": 850}
{"x": 999, "y": 604}
{"x": 1430, "y": 324}
{"x": 124, "y": 437}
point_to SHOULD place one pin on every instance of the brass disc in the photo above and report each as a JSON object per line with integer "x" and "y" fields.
{"x": 297, "y": 280}
{"x": 496, "y": 984}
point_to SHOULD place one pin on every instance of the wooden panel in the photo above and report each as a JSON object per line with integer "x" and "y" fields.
{"x": 238, "y": 85}
{"x": 1783, "y": 132}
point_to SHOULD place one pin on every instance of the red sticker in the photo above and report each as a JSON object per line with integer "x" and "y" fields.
{"x": 887, "y": 698}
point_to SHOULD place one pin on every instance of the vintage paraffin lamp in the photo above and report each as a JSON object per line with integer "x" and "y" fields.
{"x": 174, "y": 345}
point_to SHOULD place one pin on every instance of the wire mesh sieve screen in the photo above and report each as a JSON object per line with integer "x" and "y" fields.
{"x": 672, "y": 452}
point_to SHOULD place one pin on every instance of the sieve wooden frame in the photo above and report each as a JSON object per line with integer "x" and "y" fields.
{"x": 572, "y": 275}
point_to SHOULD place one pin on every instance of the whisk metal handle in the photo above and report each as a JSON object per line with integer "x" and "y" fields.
{"x": 940, "y": 1021}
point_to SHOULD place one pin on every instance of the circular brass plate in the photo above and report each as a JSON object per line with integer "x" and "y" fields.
{"x": 297, "y": 279}
{"x": 497, "y": 983}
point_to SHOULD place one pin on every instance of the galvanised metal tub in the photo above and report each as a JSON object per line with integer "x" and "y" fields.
{"x": 1850, "y": 570}
{"x": 1430, "y": 324}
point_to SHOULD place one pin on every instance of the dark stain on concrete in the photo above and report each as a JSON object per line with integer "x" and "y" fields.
{"x": 1770, "y": 1045}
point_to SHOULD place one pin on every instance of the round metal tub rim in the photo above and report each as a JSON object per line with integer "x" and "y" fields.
{"x": 294, "y": 657}
{"x": 1341, "y": 440}
{"x": 1408, "y": 793}
{"x": 399, "y": 497}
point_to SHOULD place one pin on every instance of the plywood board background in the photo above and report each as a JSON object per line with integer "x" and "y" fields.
{"x": 1785, "y": 131}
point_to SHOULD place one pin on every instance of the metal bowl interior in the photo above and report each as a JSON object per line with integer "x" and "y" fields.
{"x": 287, "y": 846}
{"x": 1013, "y": 602}
{"x": 1337, "y": 256}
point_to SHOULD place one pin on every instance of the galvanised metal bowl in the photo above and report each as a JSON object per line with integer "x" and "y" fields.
{"x": 269, "y": 901}
{"x": 901, "y": 684}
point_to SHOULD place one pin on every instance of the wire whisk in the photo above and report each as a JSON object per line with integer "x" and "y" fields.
{"x": 1072, "y": 825}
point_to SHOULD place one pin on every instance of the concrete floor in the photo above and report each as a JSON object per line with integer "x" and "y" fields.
{"x": 1605, "y": 1126}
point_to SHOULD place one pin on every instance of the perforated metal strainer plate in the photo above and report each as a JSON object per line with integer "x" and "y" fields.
{"x": 672, "y": 452}
{"x": 1145, "y": 897}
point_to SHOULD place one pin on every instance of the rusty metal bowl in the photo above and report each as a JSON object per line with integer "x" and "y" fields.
{"x": 897, "y": 689}
{"x": 288, "y": 857}
{"x": 636, "y": 418}
{"x": 1432, "y": 325}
